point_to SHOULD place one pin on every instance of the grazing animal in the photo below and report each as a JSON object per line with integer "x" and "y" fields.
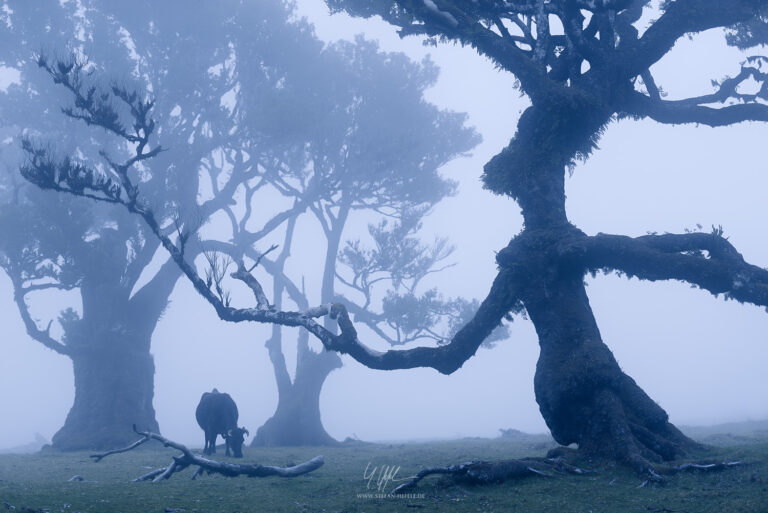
{"x": 217, "y": 415}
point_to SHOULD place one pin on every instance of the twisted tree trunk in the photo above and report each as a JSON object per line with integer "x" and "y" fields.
{"x": 582, "y": 393}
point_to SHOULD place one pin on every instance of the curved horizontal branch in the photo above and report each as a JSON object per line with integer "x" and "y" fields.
{"x": 680, "y": 112}
{"x": 680, "y": 257}
{"x": 187, "y": 458}
{"x": 445, "y": 359}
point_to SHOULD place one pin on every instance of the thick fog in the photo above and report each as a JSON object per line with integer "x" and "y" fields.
{"x": 702, "y": 358}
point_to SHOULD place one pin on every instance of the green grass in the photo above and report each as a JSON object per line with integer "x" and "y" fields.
{"x": 40, "y": 482}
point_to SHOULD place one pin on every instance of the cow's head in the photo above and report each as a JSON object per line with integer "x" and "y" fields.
{"x": 235, "y": 438}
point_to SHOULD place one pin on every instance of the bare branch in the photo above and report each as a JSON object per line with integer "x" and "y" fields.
{"x": 244, "y": 275}
{"x": 187, "y": 458}
{"x": 650, "y": 85}
{"x": 42, "y": 336}
{"x": 445, "y": 359}
{"x": 101, "y": 455}
{"x": 262, "y": 255}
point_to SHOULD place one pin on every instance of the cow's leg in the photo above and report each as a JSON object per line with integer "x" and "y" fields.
{"x": 210, "y": 442}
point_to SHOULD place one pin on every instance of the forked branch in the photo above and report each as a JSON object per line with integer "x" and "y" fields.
{"x": 187, "y": 459}
{"x": 120, "y": 188}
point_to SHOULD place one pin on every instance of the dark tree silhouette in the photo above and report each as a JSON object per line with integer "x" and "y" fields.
{"x": 578, "y": 80}
{"x": 583, "y": 64}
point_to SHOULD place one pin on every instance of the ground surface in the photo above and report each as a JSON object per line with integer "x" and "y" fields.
{"x": 40, "y": 482}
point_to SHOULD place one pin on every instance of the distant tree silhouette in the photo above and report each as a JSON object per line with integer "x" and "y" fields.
{"x": 373, "y": 147}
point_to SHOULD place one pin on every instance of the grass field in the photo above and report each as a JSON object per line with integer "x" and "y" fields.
{"x": 40, "y": 482}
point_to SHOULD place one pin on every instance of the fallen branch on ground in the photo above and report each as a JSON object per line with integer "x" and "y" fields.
{"x": 187, "y": 458}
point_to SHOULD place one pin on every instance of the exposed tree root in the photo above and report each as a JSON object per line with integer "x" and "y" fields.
{"x": 650, "y": 471}
{"x": 187, "y": 459}
{"x": 485, "y": 472}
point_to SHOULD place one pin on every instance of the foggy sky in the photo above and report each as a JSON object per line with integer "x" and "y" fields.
{"x": 703, "y": 359}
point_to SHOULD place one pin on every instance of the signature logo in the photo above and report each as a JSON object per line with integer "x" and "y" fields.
{"x": 378, "y": 478}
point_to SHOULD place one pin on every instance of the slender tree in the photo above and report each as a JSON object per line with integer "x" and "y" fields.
{"x": 368, "y": 149}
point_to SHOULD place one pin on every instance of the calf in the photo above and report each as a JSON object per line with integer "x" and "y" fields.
{"x": 217, "y": 415}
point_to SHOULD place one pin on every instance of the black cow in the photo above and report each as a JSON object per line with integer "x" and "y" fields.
{"x": 217, "y": 415}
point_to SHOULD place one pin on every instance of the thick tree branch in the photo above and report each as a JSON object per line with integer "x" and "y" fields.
{"x": 682, "y": 112}
{"x": 445, "y": 359}
{"x": 721, "y": 270}
{"x": 246, "y": 277}
{"x": 683, "y": 17}
{"x": 151, "y": 299}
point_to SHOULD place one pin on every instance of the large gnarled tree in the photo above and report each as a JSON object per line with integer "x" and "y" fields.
{"x": 582, "y": 64}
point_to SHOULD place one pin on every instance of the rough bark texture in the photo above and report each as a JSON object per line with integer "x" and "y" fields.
{"x": 110, "y": 350}
{"x": 582, "y": 393}
{"x": 114, "y": 388}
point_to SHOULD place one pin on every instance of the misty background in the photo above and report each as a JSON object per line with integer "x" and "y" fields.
{"x": 703, "y": 359}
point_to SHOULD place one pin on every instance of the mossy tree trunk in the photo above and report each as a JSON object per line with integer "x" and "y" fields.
{"x": 110, "y": 351}
{"x": 582, "y": 393}
{"x": 114, "y": 389}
